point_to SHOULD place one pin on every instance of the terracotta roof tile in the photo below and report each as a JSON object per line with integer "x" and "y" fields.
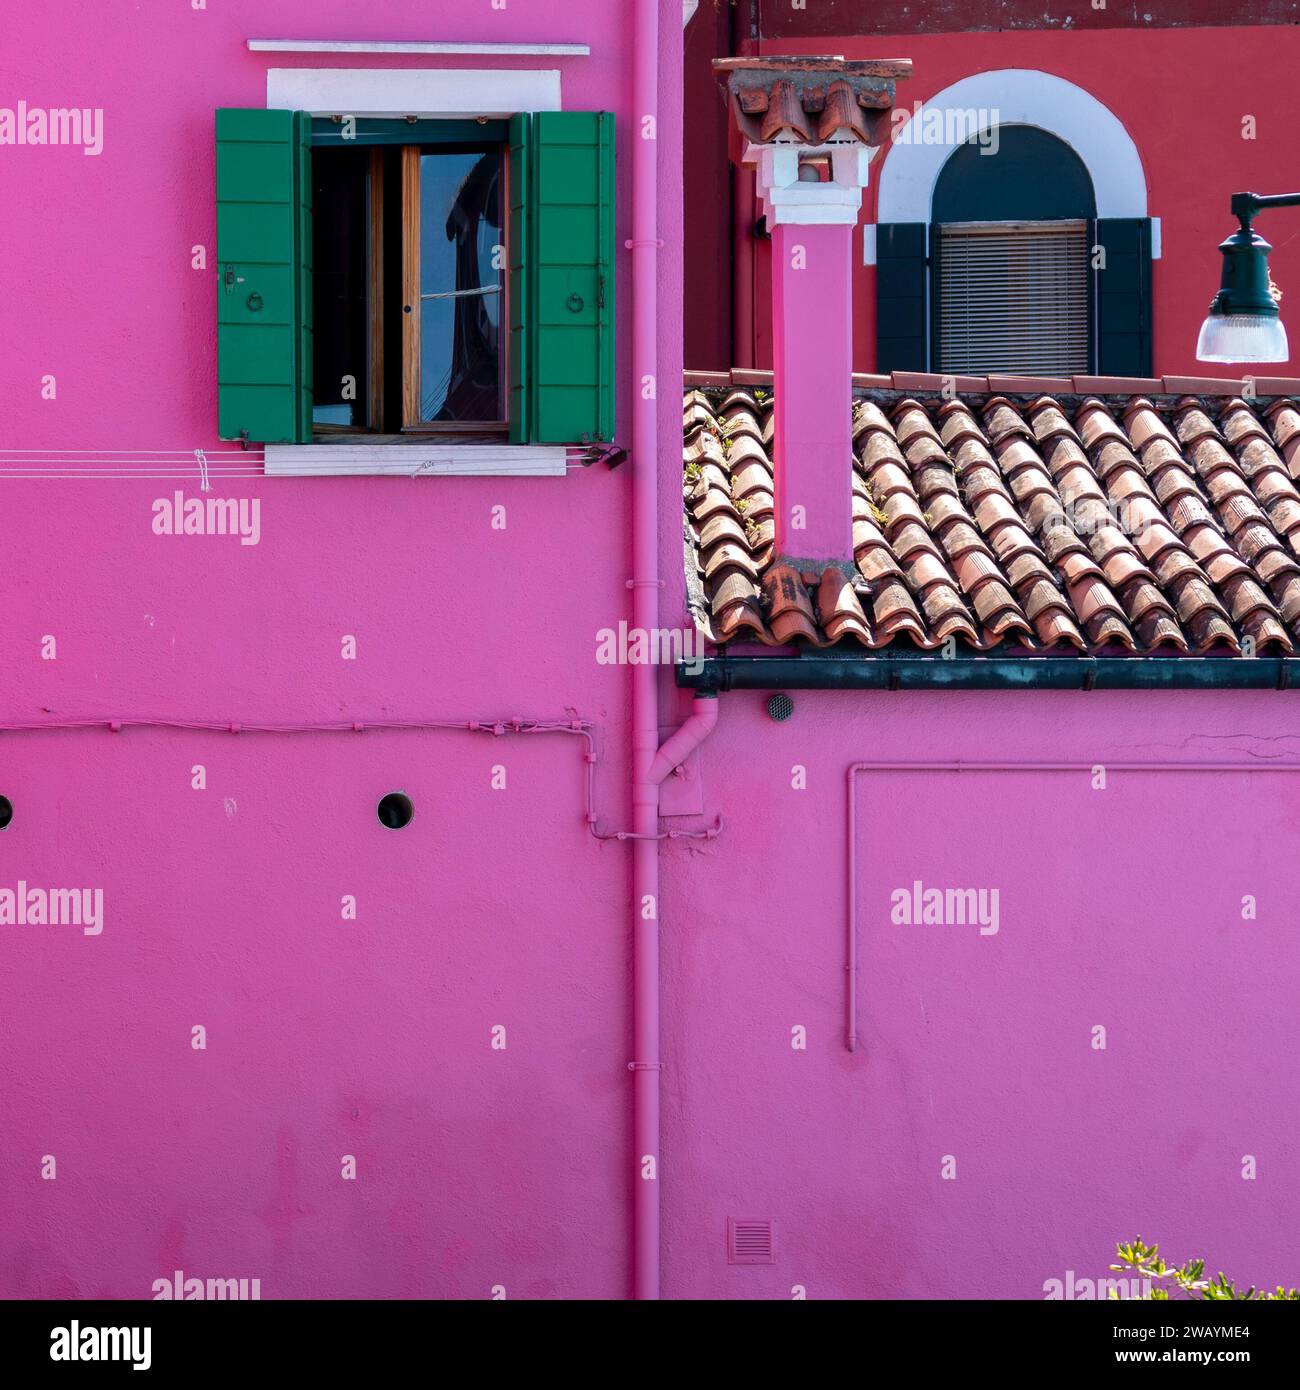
{"x": 841, "y": 111}
{"x": 1202, "y": 386}
{"x": 1020, "y": 385}
{"x": 1118, "y": 386}
{"x": 1024, "y": 518}
{"x": 1277, "y": 386}
{"x": 783, "y": 114}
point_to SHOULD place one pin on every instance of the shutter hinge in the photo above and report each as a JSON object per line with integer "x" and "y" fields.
{"x": 600, "y": 291}
{"x": 612, "y": 455}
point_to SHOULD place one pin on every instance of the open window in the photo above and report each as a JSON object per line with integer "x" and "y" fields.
{"x": 409, "y": 262}
{"x": 400, "y": 279}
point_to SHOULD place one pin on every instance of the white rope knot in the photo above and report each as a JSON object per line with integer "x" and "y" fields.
{"x": 204, "y": 484}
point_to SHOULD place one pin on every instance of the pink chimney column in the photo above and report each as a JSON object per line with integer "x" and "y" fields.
{"x": 811, "y": 196}
{"x": 809, "y": 126}
{"x": 812, "y": 321}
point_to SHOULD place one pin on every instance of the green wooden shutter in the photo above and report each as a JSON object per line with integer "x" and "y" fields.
{"x": 264, "y": 279}
{"x": 1123, "y": 297}
{"x": 567, "y": 366}
{"x": 518, "y": 237}
{"x": 933, "y": 355}
{"x": 901, "y": 279}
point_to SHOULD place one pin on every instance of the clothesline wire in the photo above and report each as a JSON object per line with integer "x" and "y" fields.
{"x": 180, "y": 453}
{"x": 119, "y": 474}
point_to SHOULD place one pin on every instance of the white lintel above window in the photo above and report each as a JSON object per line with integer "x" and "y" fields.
{"x": 429, "y": 93}
{"x": 416, "y": 460}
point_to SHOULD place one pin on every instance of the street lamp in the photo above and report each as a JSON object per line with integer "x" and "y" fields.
{"x": 1243, "y": 324}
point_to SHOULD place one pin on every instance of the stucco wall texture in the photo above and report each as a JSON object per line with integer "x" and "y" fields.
{"x": 328, "y": 1037}
{"x": 223, "y": 907}
{"x": 1119, "y": 908}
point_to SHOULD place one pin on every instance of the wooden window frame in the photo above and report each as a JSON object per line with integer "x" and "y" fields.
{"x": 375, "y": 292}
{"x": 412, "y": 392}
{"x": 379, "y": 428}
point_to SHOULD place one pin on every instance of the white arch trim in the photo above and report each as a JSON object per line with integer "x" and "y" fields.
{"x": 1019, "y": 96}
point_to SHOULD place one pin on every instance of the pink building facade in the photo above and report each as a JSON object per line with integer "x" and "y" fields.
{"x": 297, "y": 1045}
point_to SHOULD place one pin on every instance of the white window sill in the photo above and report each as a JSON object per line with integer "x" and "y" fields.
{"x": 416, "y": 460}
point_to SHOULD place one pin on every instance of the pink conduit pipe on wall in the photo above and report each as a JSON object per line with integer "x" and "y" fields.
{"x": 675, "y": 750}
{"x": 645, "y": 617}
{"x": 851, "y": 930}
{"x": 650, "y": 763}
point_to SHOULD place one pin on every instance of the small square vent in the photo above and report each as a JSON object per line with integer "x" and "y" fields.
{"x": 749, "y": 1241}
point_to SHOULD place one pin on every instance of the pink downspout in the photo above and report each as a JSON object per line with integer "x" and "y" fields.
{"x": 650, "y": 763}
{"x": 645, "y": 617}
{"x": 742, "y": 314}
{"x": 743, "y": 217}
{"x": 679, "y": 746}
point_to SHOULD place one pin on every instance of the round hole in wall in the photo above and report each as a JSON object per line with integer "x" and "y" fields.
{"x": 6, "y": 812}
{"x": 395, "y": 810}
{"x": 780, "y": 707}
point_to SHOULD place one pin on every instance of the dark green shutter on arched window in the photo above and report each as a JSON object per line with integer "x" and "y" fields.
{"x": 902, "y": 279}
{"x": 1122, "y": 293}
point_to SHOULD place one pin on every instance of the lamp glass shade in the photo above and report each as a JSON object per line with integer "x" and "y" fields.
{"x": 1242, "y": 338}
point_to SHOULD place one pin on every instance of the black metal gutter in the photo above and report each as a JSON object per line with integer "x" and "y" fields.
{"x": 714, "y": 674}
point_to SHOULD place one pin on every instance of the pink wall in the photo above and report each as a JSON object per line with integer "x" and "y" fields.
{"x": 222, "y": 906}
{"x": 1119, "y": 907}
{"x": 325, "y": 1038}
{"x": 1184, "y": 108}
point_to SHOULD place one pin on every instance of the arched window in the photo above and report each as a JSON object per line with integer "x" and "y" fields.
{"x": 1010, "y": 258}
{"x": 1013, "y": 236}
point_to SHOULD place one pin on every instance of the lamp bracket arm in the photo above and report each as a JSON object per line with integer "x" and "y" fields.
{"x": 1246, "y": 205}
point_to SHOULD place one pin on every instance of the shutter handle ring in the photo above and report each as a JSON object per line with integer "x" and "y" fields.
{"x": 575, "y": 303}
{"x": 255, "y": 301}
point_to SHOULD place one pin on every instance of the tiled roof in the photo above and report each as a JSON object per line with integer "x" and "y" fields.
{"x": 1099, "y": 516}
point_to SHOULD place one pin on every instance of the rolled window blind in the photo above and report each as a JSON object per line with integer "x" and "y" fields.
{"x": 1012, "y": 297}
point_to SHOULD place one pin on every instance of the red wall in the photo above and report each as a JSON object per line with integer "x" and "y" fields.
{"x": 1185, "y": 111}
{"x": 779, "y": 19}
{"x": 708, "y": 182}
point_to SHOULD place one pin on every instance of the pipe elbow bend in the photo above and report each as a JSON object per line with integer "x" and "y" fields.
{"x": 679, "y": 746}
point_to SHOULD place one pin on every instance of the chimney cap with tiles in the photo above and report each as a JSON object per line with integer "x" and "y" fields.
{"x": 810, "y": 100}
